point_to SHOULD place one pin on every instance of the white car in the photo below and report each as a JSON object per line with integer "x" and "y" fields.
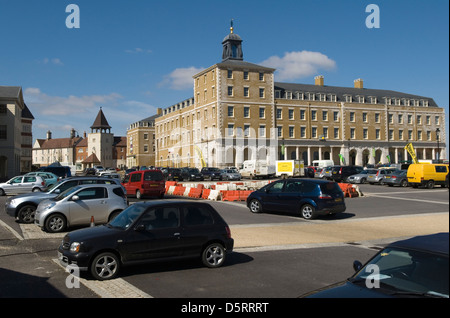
{"x": 23, "y": 184}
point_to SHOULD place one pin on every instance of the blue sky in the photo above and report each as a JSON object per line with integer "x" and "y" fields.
{"x": 131, "y": 57}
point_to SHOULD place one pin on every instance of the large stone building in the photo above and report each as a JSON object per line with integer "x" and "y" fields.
{"x": 141, "y": 147}
{"x": 16, "y": 137}
{"x": 239, "y": 112}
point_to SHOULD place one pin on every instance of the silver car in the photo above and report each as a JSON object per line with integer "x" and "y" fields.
{"x": 361, "y": 177}
{"x": 231, "y": 174}
{"x": 377, "y": 177}
{"x": 23, "y": 206}
{"x": 80, "y": 205}
{"x": 23, "y": 184}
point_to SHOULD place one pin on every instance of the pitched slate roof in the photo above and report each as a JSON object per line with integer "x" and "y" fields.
{"x": 58, "y": 143}
{"x": 340, "y": 92}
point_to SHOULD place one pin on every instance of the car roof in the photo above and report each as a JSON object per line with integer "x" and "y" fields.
{"x": 318, "y": 181}
{"x": 95, "y": 185}
{"x": 435, "y": 243}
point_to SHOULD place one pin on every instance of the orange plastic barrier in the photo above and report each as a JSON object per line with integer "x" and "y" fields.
{"x": 205, "y": 193}
{"x": 235, "y": 195}
{"x": 195, "y": 192}
{"x": 179, "y": 190}
{"x": 349, "y": 191}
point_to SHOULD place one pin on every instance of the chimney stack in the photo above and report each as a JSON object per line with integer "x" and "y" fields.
{"x": 358, "y": 83}
{"x": 319, "y": 80}
{"x": 49, "y": 135}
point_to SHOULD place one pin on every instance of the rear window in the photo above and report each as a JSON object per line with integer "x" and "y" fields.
{"x": 153, "y": 176}
{"x": 118, "y": 191}
{"x": 441, "y": 169}
{"x": 330, "y": 188}
{"x": 196, "y": 215}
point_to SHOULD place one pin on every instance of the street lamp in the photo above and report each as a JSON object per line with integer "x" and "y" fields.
{"x": 438, "y": 155}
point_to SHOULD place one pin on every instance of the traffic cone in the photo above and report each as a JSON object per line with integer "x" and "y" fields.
{"x": 92, "y": 221}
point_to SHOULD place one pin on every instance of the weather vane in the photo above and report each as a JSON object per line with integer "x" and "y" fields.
{"x": 231, "y": 23}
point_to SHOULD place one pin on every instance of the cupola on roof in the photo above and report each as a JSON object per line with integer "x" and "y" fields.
{"x": 232, "y": 46}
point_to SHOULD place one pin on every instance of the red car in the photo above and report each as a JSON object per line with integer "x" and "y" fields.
{"x": 145, "y": 183}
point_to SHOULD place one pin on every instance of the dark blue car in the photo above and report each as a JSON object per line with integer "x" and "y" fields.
{"x": 415, "y": 267}
{"x": 307, "y": 197}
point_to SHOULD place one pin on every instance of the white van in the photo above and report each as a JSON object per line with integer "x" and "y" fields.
{"x": 256, "y": 169}
{"x": 323, "y": 163}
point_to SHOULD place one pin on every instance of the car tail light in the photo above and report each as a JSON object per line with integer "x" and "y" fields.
{"x": 393, "y": 177}
{"x": 228, "y": 231}
{"x": 43, "y": 183}
{"x": 325, "y": 196}
{"x": 378, "y": 172}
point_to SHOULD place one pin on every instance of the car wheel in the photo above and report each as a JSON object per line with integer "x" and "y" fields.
{"x": 363, "y": 180}
{"x": 255, "y": 206}
{"x": 26, "y": 214}
{"x": 113, "y": 215}
{"x": 213, "y": 255}
{"x": 105, "y": 266}
{"x": 430, "y": 184}
{"x": 55, "y": 223}
{"x": 404, "y": 183}
{"x": 2, "y": 192}
{"x": 36, "y": 190}
{"x": 308, "y": 212}
{"x": 138, "y": 195}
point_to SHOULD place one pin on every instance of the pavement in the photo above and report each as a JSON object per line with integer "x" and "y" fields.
{"x": 338, "y": 231}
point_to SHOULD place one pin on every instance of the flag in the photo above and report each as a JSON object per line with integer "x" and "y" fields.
{"x": 342, "y": 159}
{"x": 409, "y": 147}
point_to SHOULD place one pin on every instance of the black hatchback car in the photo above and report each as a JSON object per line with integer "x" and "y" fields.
{"x": 415, "y": 267}
{"x": 341, "y": 173}
{"x": 307, "y": 197}
{"x": 149, "y": 231}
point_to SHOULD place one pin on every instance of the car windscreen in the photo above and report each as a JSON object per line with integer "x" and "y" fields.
{"x": 153, "y": 176}
{"x": 330, "y": 188}
{"x": 66, "y": 193}
{"x": 128, "y": 216}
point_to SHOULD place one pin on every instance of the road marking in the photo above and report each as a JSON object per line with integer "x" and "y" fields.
{"x": 115, "y": 288}
{"x": 14, "y": 232}
{"x": 407, "y": 199}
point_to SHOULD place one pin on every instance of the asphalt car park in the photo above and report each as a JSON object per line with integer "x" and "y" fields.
{"x": 307, "y": 247}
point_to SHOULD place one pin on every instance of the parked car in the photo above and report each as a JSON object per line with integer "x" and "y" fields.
{"x": 173, "y": 174}
{"x": 143, "y": 183}
{"x": 360, "y": 177}
{"x": 341, "y": 173}
{"x": 22, "y": 184}
{"x": 191, "y": 174}
{"x": 77, "y": 205}
{"x": 60, "y": 171}
{"x": 326, "y": 173}
{"x": 310, "y": 172}
{"x": 149, "y": 231}
{"x": 415, "y": 267}
{"x": 230, "y": 174}
{"x": 377, "y": 177}
{"x": 306, "y": 197}
{"x": 397, "y": 177}
{"x": 211, "y": 173}
{"x": 23, "y": 206}
{"x": 49, "y": 177}
{"x": 318, "y": 172}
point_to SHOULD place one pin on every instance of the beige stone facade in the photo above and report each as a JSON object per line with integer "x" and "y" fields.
{"x": 239, "y": 113}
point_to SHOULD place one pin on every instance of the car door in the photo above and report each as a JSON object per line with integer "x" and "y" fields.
{"x": 156, "y": 235}
{"x": 13, "y": 186}
{"x": 290, "y": 198}
{"x": 27, "y": 184}
{"x": 197, "y": 226}
{"x": 92, "y": 202}
{"x": 272, "y": 199}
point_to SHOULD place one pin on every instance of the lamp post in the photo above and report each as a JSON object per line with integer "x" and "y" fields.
{"x": 438, "y": 155}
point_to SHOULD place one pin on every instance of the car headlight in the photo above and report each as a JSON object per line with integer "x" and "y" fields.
{"x": 75, "y": 247}
{"x": 49, "y": 205}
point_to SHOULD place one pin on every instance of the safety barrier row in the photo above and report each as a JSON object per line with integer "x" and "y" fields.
{"x": 239, "y": 191}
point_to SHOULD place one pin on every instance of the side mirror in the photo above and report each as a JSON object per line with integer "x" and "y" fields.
{"x": 140, "y": 228}
{"x": 75, "y": 198}
{"x": 357, "y": 265}
{"x": 57, "y": 191}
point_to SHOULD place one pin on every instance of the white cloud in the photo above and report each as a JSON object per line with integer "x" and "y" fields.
{"x": 181, "y": 78}
{"x": 296, "y": 65}
{"x": 72, "y": 105}
{"x": 54, "y": 61}
{"x": 138, "y": 50}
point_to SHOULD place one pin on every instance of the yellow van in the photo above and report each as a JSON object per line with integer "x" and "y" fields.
{"x": 427, "y": 174}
